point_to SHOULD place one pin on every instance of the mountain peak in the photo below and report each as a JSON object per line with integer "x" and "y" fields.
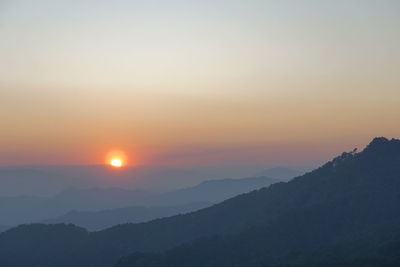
{"x": 377, "y": 141}
{"x": 382, "y": 145}
{"x": 380, "y": 148}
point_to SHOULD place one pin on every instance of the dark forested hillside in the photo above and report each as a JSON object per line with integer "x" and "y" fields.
{"x": 350, "y": 204}
{"x": 348, "y": 216}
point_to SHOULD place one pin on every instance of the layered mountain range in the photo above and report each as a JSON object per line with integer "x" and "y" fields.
{"x": 345, "y": 213}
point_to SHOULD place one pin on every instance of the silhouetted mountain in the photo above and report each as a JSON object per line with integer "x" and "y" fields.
{"x": 99, "y": 220}
{"x": 349, "y": 207}
{"x": 281, "y": 173}
{"x": 344, "y": 214}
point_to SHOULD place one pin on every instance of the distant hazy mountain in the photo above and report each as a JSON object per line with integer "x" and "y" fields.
{"x": 3, "y": 228}
{"x": 27, "y": 209}
{"x": 172, "y": 203}
{"x": 50, "y": 180}
{"x": 214, "y": 190}
{"x": 18, "y": 210}
{"x": 100, "y": 198}
{"x": 281, "y": 173}
{"x": 31, "y": 181}
{"x": 99, "y": 220}
{"x": 345, "y": 213}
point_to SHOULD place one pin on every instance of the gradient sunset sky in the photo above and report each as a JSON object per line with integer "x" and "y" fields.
{"x": 196, "y": 82}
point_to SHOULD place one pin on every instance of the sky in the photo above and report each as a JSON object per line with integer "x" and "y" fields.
{"x": 189, "y": 83}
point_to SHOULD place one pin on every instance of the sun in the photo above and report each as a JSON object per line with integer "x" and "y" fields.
{"x": 116, "y": 163}
{"x": 116, "y": 159}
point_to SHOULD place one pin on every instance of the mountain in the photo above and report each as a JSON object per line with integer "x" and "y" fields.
{"x": 40, "y": 182}
{"x": 344, "y": 214}
{"x": 213, "y": 190}
{"x": 3, "y": 228}
{"x": 50, "y": 180}
{"x": 349, "y": 207}
{"x": 284, "y": 248}
{"x": 168, "y": 204}
{"x": 26, "y": 209}
{"x": 281, "y": 173}
{"x": 98, "y": 220}
{"x": 29, "y": 209}
{"x": 100, "y": 198}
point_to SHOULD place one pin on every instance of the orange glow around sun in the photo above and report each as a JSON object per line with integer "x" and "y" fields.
{"x": 116, "y": 159}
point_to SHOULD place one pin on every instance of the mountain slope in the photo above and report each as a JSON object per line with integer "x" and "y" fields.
{"x": 282, "y": 246}
{"x": 281, "y": 173}
{"x": 350, "y": 217}
{"x": 347, "y": 197}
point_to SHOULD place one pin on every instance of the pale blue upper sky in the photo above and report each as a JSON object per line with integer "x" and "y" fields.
{"x": 173, "y": 44}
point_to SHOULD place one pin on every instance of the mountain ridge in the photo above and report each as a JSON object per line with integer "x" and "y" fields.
{"x": 363, "y": 208}
{"x": 30, "y": 209}
{"x": 337, "y": 190}
{"x": 100, "y": 220}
